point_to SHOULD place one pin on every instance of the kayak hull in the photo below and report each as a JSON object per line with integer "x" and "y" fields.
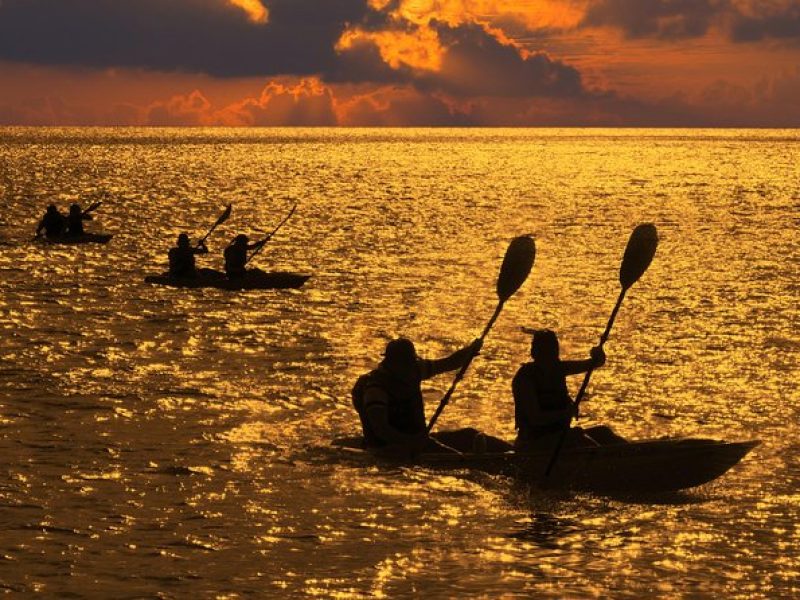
{"x": 86, "y": 238}
{"x": 636, "y": 467}
{"x": 207, "y": 278}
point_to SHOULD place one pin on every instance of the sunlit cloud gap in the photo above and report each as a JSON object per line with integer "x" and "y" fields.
{"x": 419, "y": 49}
{"x": 255, "y": 10}
{"x": 535, "y": 14}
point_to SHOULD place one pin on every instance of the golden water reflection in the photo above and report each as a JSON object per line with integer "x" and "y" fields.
{"x": 163, "y": 441}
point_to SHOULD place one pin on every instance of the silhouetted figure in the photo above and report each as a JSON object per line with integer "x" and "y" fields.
{"x": 236, "y": 256}
{"x": 391, "y": 408}
{"x": 53, "y": 222}
{"x": 542, "y": 404}
{"x": 75, "y": 220}
{"x": 181, "y": 257}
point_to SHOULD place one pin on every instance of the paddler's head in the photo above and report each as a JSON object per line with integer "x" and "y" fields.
{"x": 75, "y": 209}
{"x": 241, "y": 240}
{"x": 544, "y": 346}
{"x": 400, "y": 357}
{"x": 52, "y": 208}
{"x": 183, "y": 241}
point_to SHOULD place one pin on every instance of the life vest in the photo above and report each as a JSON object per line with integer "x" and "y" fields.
{"x": 75, "y": 223}
{"x": 235, "y": 259}
{"x": 53, "y": 223}
{"x": 550, "y": 384}
{"x": 405, "y": 408}
{"x": 181, "y": 262}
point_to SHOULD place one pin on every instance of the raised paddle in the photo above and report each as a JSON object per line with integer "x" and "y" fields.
{"x": 269, "y": 236}
{"x": 516, "y": 267}
{"x": 92, "y": 207}
{"x": 222, "y": 218}
{"x": 638, "y": 255}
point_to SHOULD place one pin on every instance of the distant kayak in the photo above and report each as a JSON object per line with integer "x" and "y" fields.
{"x": 254, "y": 280}
{"x": 642, "y": 466}
{"x": 86, "y": 238}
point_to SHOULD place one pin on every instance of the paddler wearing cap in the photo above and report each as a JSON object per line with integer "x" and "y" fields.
{"x": 390, "y": 405}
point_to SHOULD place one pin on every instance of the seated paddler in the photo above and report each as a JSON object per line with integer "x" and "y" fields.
{"x": 181, "y": 257}
{"x": 53, "y": 223}
{"x": 543, "y": 407}
{"x": 75, "y": 220}
{"x": 236, "y": 256}
{"x": 390, "y": 404}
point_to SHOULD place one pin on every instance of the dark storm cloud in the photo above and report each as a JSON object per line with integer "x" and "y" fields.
{"x": 780, "y": 26}
{"x": 474, "y": 63}
{"x": 477, "y": 64}
{"x": 206, "y": 36}
{"x": 681, "y": 19}
{"x": 669, "y": 19}
{"x": 216, "y": 38}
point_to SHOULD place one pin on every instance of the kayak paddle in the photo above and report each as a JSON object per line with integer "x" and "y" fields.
{"x": 222, "y": 218}
{"x": 269, "y": 236}
{"x": 515, "y": 269}
{"x": 92, "y": 207}
{"x": 638, "y": 255}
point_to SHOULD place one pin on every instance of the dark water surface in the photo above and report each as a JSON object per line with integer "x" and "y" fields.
{"x": 158, "y": 441}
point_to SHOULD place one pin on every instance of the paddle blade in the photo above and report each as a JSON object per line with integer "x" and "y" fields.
{"x": 224, "y": 216}
{"x": 516, "y": 267}
{"x": 639, "y": 254}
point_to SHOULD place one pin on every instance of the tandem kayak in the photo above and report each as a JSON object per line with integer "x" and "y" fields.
{"x": 254, "y": 280}
{"x": 85, "y": 238}
{"x": 636, "y": 467}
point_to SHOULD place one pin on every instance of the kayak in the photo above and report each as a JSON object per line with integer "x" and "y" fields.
{"x": 85, "y": 238}
{"x": 636, "y": 467}
{"x": 254, "y": 280}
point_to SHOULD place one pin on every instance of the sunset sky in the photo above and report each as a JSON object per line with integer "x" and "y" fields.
{"x": 400, "y": 62}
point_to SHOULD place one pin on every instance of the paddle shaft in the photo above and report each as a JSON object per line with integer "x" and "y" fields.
{"x": 584, "y": 385}
{"x": 460, "y": 375}
{"x": 603, "y": 340}
{"x": 266, "y": 239}
{"x": 220, "y": 220}
{"x": 91, "y": 208}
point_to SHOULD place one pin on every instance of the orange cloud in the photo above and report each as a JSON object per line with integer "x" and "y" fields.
{"x": 536, "y": 14}
{"x": 400, "y": 106}
{"x": 255, "y": 10}
{"x": 307, "y": 103}
{"x": 419, "y": 49}
{"x": 181, "y": 111}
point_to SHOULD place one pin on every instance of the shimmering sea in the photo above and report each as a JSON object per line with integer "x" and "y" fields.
{"x": 171, "y": 443}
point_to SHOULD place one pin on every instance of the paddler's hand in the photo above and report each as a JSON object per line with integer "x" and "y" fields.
{"x": 598, "y": 356}
{"x": 475, "y": 347}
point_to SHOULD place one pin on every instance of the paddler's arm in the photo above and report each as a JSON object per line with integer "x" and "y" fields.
{"x": 452, "y": 362}
{"x": 597, "y": 360}
{"x": 258, "y": 244}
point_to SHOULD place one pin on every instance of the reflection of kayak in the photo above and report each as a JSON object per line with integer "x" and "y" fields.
{"x": 645, "y": 466}
{"x": 86, "y": 238}
{"x": 254, "y": 280}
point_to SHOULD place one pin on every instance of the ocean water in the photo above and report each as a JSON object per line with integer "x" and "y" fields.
{"x": 171, "y": 443}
